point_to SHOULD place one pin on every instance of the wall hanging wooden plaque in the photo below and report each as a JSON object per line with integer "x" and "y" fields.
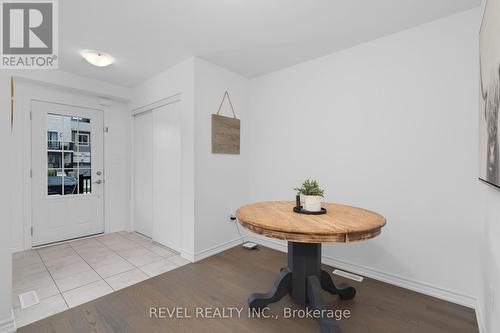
{"x": 225, "y": 131}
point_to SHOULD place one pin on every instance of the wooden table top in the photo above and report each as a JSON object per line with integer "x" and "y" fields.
{"x": 341, "y": 223}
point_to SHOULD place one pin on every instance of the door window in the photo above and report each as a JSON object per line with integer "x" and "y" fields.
{"x": 69, "y": 163}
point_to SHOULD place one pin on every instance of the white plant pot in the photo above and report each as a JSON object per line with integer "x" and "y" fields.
{"x": 312, "y": 203}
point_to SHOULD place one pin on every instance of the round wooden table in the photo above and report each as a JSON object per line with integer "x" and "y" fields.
{"x": 303, "y": 278}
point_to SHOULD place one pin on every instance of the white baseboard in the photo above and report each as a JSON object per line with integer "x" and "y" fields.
{"x": 17, "y": 248}
{"x": 187, "y": 255}
{"x": 272, "y": 243}
{"x": 402, "y": 282}
{"x": 392, "y": 279}
{"x": 116, "y": 228}
{"x": 217, "y": 248}
{"x": 8, "y": 325}
{"x": 480, "y": 318}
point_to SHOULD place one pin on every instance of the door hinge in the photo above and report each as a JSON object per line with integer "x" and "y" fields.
{"x": 106, "y": 129}
{"x": 31, "y": 173}
{"x": 31, "y": 115}
{"x": 31, "y": 231}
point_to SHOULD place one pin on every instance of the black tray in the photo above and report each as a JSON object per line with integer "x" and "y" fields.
{"x": 300, "y": 210}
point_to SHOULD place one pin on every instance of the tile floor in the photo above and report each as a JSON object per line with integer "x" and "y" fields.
{"x": 69, "y": 274}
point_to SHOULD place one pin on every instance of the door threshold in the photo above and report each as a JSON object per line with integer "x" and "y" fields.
{"x": 66, "y": 240}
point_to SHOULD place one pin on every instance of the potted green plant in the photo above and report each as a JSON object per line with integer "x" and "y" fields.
{"x": 312, "y": 193}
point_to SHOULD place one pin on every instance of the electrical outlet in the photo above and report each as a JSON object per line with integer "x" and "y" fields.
{"x": 232, "y": 216}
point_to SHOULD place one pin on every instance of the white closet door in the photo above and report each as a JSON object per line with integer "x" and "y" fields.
{"x": 143, "y": 173}
{"x": 167, "y": 175}
{"x": 157, "y": 174}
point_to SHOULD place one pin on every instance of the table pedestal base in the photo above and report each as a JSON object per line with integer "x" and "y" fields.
{"x": 304, "y": 280}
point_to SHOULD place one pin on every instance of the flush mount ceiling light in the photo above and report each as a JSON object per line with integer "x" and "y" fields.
{"x": 97, "y": 58}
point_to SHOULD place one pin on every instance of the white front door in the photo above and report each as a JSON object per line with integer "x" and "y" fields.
{"x": 67, "y": 172}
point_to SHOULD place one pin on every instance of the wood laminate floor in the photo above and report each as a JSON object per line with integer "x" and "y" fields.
{"x": 226, "y": 279}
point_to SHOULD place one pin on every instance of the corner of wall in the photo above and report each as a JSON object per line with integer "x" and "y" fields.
{"x": 8, "y": 325}
{"x": 219, "y": 178}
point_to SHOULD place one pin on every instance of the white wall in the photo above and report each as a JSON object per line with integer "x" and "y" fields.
{"x": 220, "y": 179}
{"x": 489, "y": 294}
{"x": 6, "y": 168}
{"x": 175, "y": 80}
{"x": 78, "y": 84}
{"x": 390, "y": 125}
{"x": 117, "y": 156}
{"x": 117, "y": 152}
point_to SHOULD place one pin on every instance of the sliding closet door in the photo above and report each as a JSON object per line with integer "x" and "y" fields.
{"x": 143, "y": 173}
{"x": 157, "y": 174}
{"x": 167, "y": 175}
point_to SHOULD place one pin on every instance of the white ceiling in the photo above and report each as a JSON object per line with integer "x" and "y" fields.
{"x": 250, "y": 37}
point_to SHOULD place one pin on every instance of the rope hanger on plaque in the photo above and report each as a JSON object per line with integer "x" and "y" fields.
{"x": 225, "y": 131}
{"x": 230, "y": 103}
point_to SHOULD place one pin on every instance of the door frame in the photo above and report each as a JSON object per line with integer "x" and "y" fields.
{"x": 57, "y": 95}
{"x": 175, "y": 98}
{"x": 32, "y": 167}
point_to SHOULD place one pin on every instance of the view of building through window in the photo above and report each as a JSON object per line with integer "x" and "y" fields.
{"x": 68, "y": 155}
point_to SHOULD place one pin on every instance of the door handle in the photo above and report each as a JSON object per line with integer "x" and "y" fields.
{"x": 98, "y": 181}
